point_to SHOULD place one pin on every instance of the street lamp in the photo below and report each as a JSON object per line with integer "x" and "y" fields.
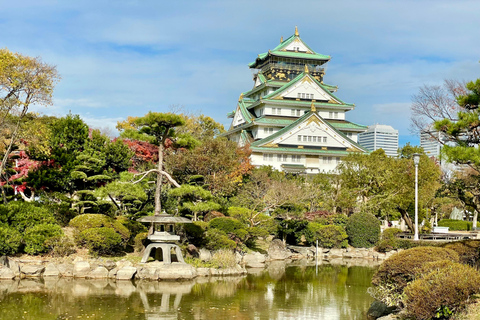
{"x": 416, "y": 160}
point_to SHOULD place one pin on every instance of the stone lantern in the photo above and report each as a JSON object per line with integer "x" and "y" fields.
{"x": 162, "y": 236}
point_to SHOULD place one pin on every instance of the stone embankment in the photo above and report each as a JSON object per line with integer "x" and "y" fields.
{"x": 13, "y": 268}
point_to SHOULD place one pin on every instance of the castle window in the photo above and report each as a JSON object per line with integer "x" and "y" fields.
{"x": 268, "y": 130}
{"x": 335, "y": 115}
{"x": 296, "y": 158}
{"x": 304, "y": 138}
{"x": 324, "y": 139}
{"x": 299, "y": 137}
{"x": 267, "y": 157}
{"x": 330, "y": 115}
{"x": 314, "y": 138}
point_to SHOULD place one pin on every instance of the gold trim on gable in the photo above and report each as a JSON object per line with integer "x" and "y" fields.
{"x": 333, "y": 102}
{"x": 313, "y": 119}
{"x": 271, "y": 145}
{"x": 300, "y": 147}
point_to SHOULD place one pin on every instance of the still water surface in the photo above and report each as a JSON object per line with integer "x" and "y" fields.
{"x": 292, "y": 292}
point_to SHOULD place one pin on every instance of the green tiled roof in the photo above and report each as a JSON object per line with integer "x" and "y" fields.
{"x": 278, "y": 51}
{"x": 346, "y": 124}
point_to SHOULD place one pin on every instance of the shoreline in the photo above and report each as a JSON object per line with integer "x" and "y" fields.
{"x": 105, "y": 268}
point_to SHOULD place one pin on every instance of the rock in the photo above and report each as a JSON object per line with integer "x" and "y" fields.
{"x": 238, "y": 257}
{"x": 306, "y": 252}
{"x": 124, "y": 263}
{"x": 99, "y": 272}
{"x": 254, "y": 260}
{"x": 203, "y": 272}
{"x": 109, "y": 265}
{"x": 277, "y": 250}
{"x": 32, "y": 270}
{"x": 6, "y": 273}
{"x": 176, "y": 271}
{"x": 126, "y": 273}
{"x": 81, "y": 269}
{"x": 336, "y": 253}
{"x": 66, "y": 270}
{"x": 192, "y": 251}
{"x": 204, "y": 255}
{"x": 147, "y": 273}
{"x": 112, "y": 274}
{"x": 377, "y": 309}
{"x": 51, "y": 270}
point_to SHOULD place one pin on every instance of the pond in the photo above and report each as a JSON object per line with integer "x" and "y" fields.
{"x": 279, "y": 292}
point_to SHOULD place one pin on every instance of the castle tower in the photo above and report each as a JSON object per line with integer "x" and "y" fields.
{"x": 290, "y": 118}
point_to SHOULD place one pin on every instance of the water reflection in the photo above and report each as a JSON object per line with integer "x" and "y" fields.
{"x": 278, "y": 292}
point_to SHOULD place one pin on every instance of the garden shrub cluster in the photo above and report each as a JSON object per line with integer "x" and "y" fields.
{"x": 467, "y": 250}
{"x": 456, "y": 225}
{"x": 441, "y": 288}
{"x": 363, "y": 230}
{"x": 26, "y": 227}
{"x": 328, "y": 236}
{"x": 100, "y": 234}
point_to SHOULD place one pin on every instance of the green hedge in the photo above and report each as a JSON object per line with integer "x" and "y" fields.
{"x": 218, "y": 239}
{"x": 328, "y": 236}
{"x": 10, "y": 240}
{"x": 363, "y": 230}
{"x": 22, "y": 215}
{"x": 103, "y": 240}
{"x": 36, "y": 237}
{"x": 87, "y": 221}
{"x": 456, "y": 225}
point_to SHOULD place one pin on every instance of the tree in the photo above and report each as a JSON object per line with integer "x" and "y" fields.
{"x": 463, "y": 139}
{"x": 384, "y": 185}
{"x": 194, "y": 199}
{"x": 159, "y": 129}
{"x": 23, "y": 81}
{"x": 217, "y": 164}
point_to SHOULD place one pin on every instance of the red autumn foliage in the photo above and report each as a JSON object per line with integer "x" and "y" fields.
{"x": 144, "y": 152}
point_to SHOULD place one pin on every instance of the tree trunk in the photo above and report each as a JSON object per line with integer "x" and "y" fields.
{"x": 407, "y": 219}
{"x": 158, "y": 190}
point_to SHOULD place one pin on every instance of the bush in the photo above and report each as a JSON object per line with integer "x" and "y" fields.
{"x": 228, "y": 225}
{"x": 103, "y": 240}
{"x": 397, "y": 271}
{"x": 329, "y": 236}
{"x": 439, "y": 292}
{"x": 195, "y": 232}
{"x": 217, "y": 239}
{"x": 60, "y": 246}
{"x": 87, "y": 221}
{"x": 363, "y": 230}
{"x": 468, "y": 251}
{"x": 389, "y": 241}
{"x": 455, "y": 225}
{"x": 35, "y": 237}
{"x": 224, "y": 258}
{"x": 22, "y": 215}
{"x": 10, "y": 240}
{"x": 293, "y": 230}
{"x": 140, "y": 241}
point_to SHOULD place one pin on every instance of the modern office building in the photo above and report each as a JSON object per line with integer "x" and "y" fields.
{"x": 430, "y": 142}
{"x": 380, "y": 136}
{"x": 291, "y": 119}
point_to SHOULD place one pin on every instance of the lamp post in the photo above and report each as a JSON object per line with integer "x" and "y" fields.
{"x": 416, "y": 160}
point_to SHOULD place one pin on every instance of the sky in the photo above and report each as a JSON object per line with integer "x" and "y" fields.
{"x": 125, "y": 58}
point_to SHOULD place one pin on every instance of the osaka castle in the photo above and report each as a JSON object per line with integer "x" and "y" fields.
{"x": 291, "y": 119}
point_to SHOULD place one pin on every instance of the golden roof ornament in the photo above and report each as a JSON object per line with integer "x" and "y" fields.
{"x": 241, "y": 97}
{"x": 296, "y": 31}
{"x": 281, "y": 39}
{"x": 306, "y": 69}
{"x": 312, "y": 107}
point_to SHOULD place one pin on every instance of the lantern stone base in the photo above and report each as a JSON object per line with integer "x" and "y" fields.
{"x": 166, "y": 252}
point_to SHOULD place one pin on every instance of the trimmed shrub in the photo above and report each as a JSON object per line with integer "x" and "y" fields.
{"x": 195, "y": 232}
{"x": 441, "y": 291}
{"x": 389, "y": 241}
{"x": 293, "y": 230}
{"x": 22, "y": 215}
{"x": 328, "y": 236}
{"x": 363, "y": 230}
{"x": 10, "y": 240}
{"x": 402, "y": 268}
{"x": 228, "y": 225}
{"x": 103, "y": 240}
{"x": 468, "y": 251}
{"x": 35, "y": 237}
{"x": 455, "y": 225}
{"x": 60, "y": 246}
{"x": 140, "y": 241}
{"x": 87, "y": 221}
{"x": 217, "y": 239}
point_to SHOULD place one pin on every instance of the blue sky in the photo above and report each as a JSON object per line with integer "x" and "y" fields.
{"x": 124, "y": 58}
